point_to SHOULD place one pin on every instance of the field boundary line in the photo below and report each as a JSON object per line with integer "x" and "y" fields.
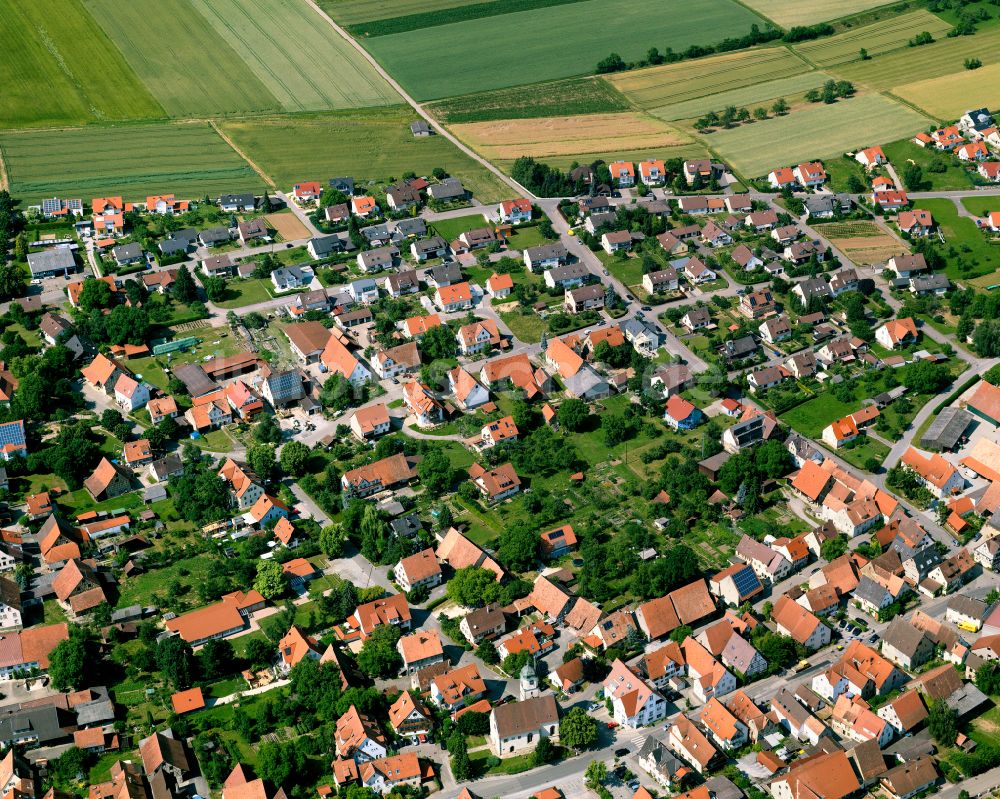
{"x": 253, "y": 164}
{"x": 808, "y": 62}
{"x": 4, "y": 180}
{"x": 417, "y": 107}
{"x": 897, "y": 99}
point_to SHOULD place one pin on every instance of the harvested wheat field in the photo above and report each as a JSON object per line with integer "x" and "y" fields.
{"x": 511, "y": 138}
{"x": 288, "y": 226}
{"x": 865, "y": 250}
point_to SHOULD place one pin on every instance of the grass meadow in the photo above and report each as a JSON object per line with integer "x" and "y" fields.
{"x": 556, "y": 42}
{"x": 877, "y": 38}
{"x": 187, "y": 159}
{"x": 788, "y": 13}
{"x": 665, "y": 85}
{"x": 556, "y": 98}
{"x": 58, "y": 68}
{"x": 370, "y": 145}
{"x": 692, "y": 150}
{"x": 816, "y": 131}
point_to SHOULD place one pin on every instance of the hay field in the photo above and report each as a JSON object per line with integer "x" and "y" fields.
{"x": 372, "y": 144}
{"x": 58, "y": 68}
{"x": 877, "y": 38}
{"x": 757, "y": 94}
{"x": 189, "y": 160}
{"x": 549, "y": 43}
{"x": 693, "y": 150}
{"x": 815, "y": 131}
{"x": 808, "y": 12}
{"x": 942, "y": 57}
{"x": 296, "y": 54}
{"x": 178, "y": 55}
{"x": 950, "y": 96}
{"x": 510, "y": 139}
{"x": 656, "y": 87}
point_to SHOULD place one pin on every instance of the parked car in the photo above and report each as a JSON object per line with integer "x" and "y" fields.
{"x": 622, "y": 752}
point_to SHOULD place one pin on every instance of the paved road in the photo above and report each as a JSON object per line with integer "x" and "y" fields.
{"x": 441, "y": 130}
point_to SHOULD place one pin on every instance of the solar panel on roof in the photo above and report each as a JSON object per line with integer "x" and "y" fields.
{"x": 746, "y": 581}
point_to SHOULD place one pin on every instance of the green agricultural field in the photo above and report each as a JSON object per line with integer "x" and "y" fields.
{"x": 297, "y": 54}
{"x": 792, "y": 12}
{"x": 370, "y": 145}
{"x": 350, "y": 12}
{"x": 758, "y": 94}
{"x": 973, "y": 245}
{"x": 187, "y": 67}
{"x": 555, "y": 42}
{"x": 189, "y": 160}
{"x": 816, "y": 131}
{"x": 558, "y": 98}
{"x": 657, "y": 87}
{"x": 877, "y": 38}
{"x": 435, "y": 17}
{"x": 942, "y": 57}
{"x": 58, "y": 68}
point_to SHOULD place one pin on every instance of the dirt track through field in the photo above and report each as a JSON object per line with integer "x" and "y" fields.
{"x": 243, "y": 155}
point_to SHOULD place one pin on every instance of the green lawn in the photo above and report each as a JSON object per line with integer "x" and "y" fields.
{"x": 451, "y": 229}
{"x": 982, "y": 257}
{"x": 812, "y": 416}
{"x": 870, "y": 448}
{"x": 79, "y": 501}
{"x": 627, "y": 270}
{"x": 954, "y": 176}
{"x": 140, "y": 588}
{"x": 526, "y": 327}
{"x": 250, "y": 291}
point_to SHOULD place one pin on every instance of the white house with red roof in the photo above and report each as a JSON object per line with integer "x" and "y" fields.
{"x": 810, "y": 175}
{"x": 973, "y": 151}
{"x": 782, "y": 178}
{"x": 653, "y": 172}
{"x": 130, "y": 394}
{"x": 512, "y": 212}
{"x": 870, "y": 157}
{"x": 623, "y": 173}
{"x": 634, "y": 702}
{"x": 990, "y": 170}
{"x": 308, "y": 192}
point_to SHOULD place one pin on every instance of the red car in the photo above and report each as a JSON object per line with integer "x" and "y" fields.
{"x": 612, "y": 725}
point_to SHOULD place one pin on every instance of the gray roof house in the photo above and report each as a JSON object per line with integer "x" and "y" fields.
{"x": 345, "y": 185}
{"x": 214, "y": 236}
{"x": 446, "y": 274}
{"x": 411, "y": 227}
{"x": 127, "y": 253}
{"x": 447, "y": 189}
{"x": 47, "y": 263}
{"x": 178, "y": 241}
{"x": 324, "y": 246}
